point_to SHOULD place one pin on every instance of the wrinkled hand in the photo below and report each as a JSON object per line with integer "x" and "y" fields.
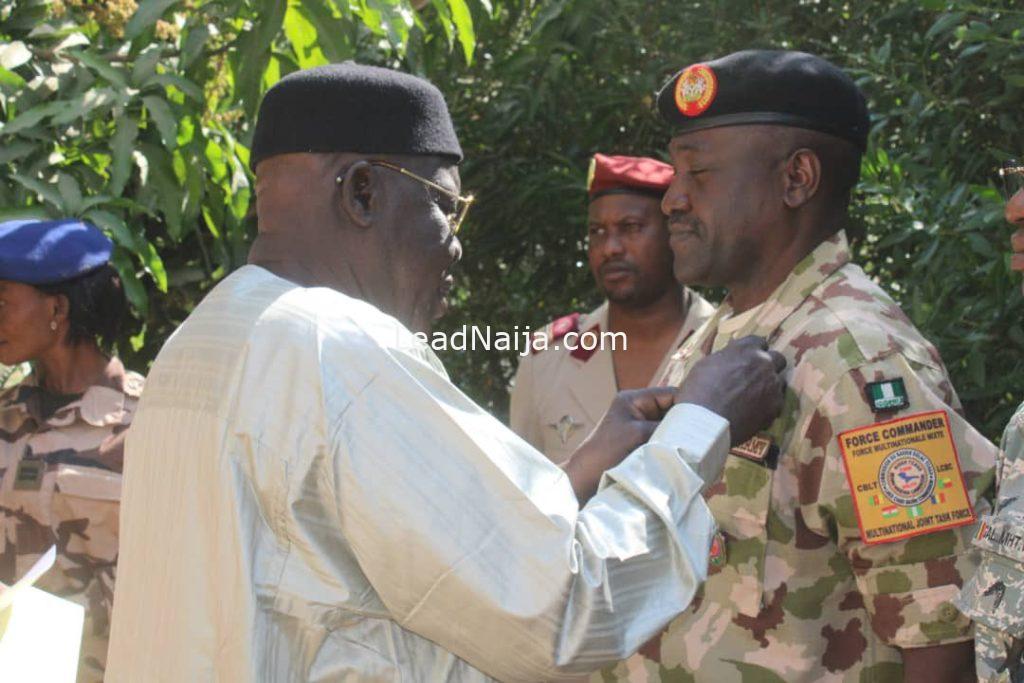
{"x": 742, "y": 383}
{"x": 628, "y": 424}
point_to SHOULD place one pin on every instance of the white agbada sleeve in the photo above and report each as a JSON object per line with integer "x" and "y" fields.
{"x": 474, "y": 540}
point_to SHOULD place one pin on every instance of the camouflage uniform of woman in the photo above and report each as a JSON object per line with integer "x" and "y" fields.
{"x": 62, "y": 429}
{"x": 994, "y": 596}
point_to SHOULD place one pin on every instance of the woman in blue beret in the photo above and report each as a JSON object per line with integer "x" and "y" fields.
{"x": 62, "y": 429}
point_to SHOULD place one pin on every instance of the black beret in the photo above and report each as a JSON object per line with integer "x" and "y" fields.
{"x": 766, "y": 87}
{"x": 38, "y": 252}
{"x": 351, "y": 107}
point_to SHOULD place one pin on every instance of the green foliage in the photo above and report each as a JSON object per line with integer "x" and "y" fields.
{"x": 138, "y": 117}
{"x": 556, "y": 81}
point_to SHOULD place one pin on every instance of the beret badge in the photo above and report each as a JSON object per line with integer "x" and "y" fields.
{"x": 695, "y": 89}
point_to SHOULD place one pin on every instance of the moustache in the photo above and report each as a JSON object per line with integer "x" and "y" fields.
{"x": 617, "y": 267}
{"x": 681, "y": 221}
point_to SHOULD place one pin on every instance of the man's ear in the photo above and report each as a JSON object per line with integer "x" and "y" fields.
{"x": 802, "y": 177}
{"x": 360, "y": 193}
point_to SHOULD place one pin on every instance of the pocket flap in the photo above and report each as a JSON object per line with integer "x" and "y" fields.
{"x": 739, "y": 503}
{"x": 88, "y": 482}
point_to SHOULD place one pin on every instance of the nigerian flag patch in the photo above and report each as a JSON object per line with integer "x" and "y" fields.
{"x": 889, "y": 394}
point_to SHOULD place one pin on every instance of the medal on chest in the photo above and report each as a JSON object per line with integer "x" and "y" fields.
{"x": 565, "y": 427}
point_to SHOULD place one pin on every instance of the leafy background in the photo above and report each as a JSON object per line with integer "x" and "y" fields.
{"x": 138, "y": 117}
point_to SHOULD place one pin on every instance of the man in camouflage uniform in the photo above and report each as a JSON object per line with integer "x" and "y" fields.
{"x": 844, "y": 529}
{"x": 994, "y": 596}
{"x": 560, "y": 394}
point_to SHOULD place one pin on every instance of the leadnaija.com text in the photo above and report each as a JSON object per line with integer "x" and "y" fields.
{"x": 523, "y": 341}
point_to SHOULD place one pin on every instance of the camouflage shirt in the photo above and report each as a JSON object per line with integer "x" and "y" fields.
{"x": 994, "y": 596}
{"x": 58, "y": 486}
{"x": 797, "y": 590}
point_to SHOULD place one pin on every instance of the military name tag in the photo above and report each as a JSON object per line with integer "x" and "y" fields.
{"x": 1001, "y": 536}
{"x": 29, "y": 475}
{"x": 759, "y": 449}
{"x": 905, "y": 477}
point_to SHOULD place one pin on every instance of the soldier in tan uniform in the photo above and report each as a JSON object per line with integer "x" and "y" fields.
{"x": 564, "y": 386}
{"x": 994, "y": 596}
{"x": 844, "y": 528}
{"x": 62, "y": 429}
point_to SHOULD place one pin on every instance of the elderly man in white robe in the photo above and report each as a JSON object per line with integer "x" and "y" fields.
{"x": 309, "y": 498}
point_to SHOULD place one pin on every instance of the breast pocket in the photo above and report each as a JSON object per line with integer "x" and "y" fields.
{"x": 85, "y": 508}
{"x": 740, "y": 504}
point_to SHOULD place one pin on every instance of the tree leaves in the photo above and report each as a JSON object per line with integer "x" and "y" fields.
{"x": 122, "y": 146}
{"x": 464, "y": 25}
{"x": 254, "y": 52}
{"x": 160, "y": 112}
{"x": 145, "y": 16}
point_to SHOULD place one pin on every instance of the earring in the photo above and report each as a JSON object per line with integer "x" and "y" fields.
{"x": 53, "y": 325}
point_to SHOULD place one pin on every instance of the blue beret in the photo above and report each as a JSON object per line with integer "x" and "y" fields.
{"x": 45, "y": 252}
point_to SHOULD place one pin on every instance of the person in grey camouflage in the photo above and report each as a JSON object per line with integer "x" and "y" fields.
{"x": 994, "y": 596}
{"x": 844, "y": 529}
{"x": 62, "y": 428}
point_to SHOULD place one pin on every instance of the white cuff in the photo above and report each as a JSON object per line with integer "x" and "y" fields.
{"x": 695, "y": 433}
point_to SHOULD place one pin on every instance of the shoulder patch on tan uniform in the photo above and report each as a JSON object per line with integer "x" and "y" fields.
{"x": 905, "y": 477}
{"x": 555, "y": 330}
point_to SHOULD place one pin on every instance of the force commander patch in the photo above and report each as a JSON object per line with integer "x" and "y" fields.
{"x": 695, "y": 90}
{"x": 905, "y": 477}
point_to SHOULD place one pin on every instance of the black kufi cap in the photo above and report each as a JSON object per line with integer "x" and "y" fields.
{"x": 351, "y": 107}
{"x": 766, "y": 87}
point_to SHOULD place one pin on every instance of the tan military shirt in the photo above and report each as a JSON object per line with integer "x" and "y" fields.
{"x": 560, "y": 394}
{"x": 812, "y": 578}
{"x": 54, "y": 491}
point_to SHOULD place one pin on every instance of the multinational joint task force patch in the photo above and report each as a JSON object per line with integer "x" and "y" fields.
{"x": 889, "y": 394}
{"x": 905, "y": 477}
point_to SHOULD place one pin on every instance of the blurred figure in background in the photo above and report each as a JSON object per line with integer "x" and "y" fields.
{"x": 560, "y": 392}
{"x": 994, "y": 596}
{"x": 62, "y": 428}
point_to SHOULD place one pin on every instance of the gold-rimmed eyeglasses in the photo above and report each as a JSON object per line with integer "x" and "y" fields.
{"x": 460, "y": 204}
{"x": 1011, "y": 173}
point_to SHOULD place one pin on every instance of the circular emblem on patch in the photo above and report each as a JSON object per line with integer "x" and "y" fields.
{"x": 695, "y": 89}
{"x": 907, "y": 477}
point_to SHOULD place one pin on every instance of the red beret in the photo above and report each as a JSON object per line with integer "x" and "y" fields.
{"x": 610, "y": 174}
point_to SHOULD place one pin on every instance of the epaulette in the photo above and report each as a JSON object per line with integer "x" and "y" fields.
{"x": 557, "y": 329}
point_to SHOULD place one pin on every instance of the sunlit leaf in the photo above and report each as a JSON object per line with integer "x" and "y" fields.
{"x": 14, "y": 54}
{"x": 464, "y": 26}
{"x": 302, "y": 35}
